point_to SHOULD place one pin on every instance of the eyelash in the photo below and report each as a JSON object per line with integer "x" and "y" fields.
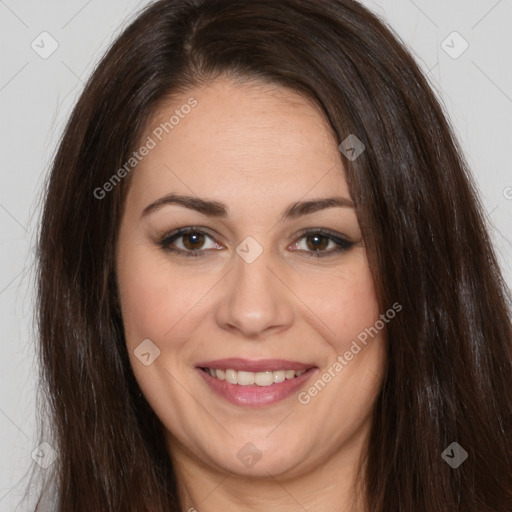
{"x": 166, "y": 240}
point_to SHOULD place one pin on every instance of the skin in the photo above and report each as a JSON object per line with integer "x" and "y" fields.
{"x": 257, "y": 148}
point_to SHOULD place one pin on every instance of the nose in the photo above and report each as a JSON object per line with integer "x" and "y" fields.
{"x": 257, "y": 299}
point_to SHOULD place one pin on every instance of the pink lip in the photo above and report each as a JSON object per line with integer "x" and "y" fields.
{"x": 261, "y": 365}
{"x": 256, "y": 396}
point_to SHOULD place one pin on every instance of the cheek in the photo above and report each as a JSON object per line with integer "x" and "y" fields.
{"x": 345, "y": 304}
{"x": 358, "y": 310}
{"x": 157, "y": 304}
{"x": 153, "y": 299}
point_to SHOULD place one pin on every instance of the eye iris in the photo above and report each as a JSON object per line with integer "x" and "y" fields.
{"x": 194, "y": 238}
{"x": 316, "y": 246}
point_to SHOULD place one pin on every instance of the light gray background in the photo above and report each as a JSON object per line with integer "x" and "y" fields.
{"x": 36, "y": 96}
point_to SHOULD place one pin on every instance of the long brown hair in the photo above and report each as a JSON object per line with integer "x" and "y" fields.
{"x": 449, "y": 369}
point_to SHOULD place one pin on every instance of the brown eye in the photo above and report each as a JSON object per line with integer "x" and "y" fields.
{"x": 193, "y": 240}
{"x": 318, "y": 242}
{"x": 188, "y": 242}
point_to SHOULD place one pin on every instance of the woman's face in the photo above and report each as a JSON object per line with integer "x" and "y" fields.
{"x": 259, "y": 298}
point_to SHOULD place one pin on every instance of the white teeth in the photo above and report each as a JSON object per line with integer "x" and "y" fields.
{"x": 245, "y": 378}
{"x": 231, "y": 376}
{"x": 265, "y": 378}
{"x": 279, "y": 376}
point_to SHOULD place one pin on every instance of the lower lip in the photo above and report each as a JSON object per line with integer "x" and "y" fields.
{"x": 256, "y": 396}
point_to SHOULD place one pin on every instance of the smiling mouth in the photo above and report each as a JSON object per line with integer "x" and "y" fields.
{"x": 255, "y": 383}
{"x": 262, "y": 378}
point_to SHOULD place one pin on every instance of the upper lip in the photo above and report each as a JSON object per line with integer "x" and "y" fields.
{"x": 260, "y": 365}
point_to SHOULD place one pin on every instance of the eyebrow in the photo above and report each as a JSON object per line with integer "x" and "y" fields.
{"x": 220, "y": 210}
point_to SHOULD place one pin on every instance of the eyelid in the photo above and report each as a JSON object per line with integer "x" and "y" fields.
{"x": 343, "y": 243}
{"x": 166, "y": 239}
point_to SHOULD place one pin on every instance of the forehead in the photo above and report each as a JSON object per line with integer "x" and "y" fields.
{"x": 241, "y": 141}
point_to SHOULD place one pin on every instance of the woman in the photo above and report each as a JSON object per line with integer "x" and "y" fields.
{"x": 265, "y": 279}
